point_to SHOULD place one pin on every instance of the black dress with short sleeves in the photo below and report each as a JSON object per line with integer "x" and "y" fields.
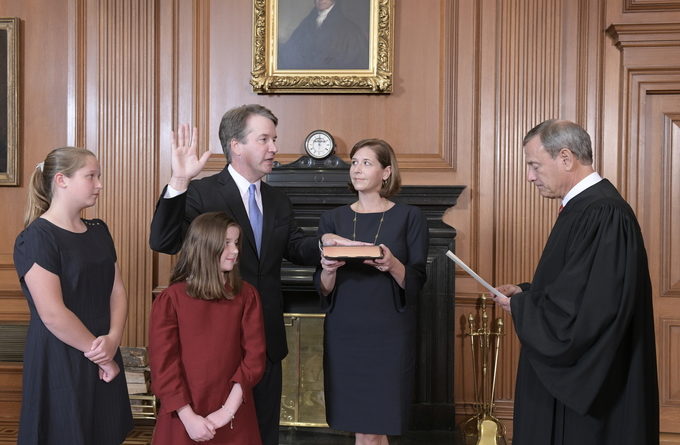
{"x": 370, "y": 325}
{"x": 64, "y": 401}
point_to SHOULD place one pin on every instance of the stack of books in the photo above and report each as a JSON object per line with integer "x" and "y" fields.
{"x": 144, "y": 405}
{"x": 137, "y": 374}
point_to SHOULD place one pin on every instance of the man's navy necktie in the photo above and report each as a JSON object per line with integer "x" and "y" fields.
{"x": 255, "y": 216}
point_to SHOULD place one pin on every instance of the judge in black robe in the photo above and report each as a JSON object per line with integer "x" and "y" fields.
{"x": 587, "y": 367}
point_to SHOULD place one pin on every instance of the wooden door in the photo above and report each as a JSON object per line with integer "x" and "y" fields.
{"x": 658, "y": 208}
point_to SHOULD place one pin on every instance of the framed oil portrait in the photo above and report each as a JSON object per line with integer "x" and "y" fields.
{"x": 322, "y": 46}
{"x": 9, "y": 113}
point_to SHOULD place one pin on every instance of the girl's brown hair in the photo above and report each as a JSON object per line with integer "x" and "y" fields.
{"x": 66, "y": 160}
{"x": 198, "y": 261}
{"x": 385, "y": 155}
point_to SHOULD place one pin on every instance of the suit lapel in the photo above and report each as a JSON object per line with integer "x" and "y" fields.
{"x": 232, "y": 197}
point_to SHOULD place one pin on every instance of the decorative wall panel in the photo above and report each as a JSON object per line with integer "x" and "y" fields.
{"x": 528, "y": 92}
{"x": 669, "y": 256}
{"x": 651, "y": 5}
{"x": 649, "y": 153}
{"x": 122, "y": 128}
{"x": 669, "y": 378}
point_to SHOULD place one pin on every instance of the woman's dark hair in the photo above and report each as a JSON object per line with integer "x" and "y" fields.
{"x": 385, "y": 155}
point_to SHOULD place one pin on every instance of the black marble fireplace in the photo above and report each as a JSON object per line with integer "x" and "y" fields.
{"x": 314, "y": 186}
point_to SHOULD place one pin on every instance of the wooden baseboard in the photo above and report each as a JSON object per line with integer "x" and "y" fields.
{"x": 669, "y": 439}
{"x": 10, "y": 391}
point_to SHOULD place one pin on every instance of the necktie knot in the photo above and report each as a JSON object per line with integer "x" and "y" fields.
{"x": 255, "y": 216}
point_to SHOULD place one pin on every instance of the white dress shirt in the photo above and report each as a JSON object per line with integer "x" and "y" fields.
{"x": 322, "y": 15}
{"x": 242, "y": 184}
{"x": 583, "y": 184}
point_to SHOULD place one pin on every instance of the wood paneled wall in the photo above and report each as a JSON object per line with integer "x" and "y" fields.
{"x": 471, "y": 77}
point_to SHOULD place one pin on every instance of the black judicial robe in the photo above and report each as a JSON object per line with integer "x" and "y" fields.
{"x": 587, "y": 368}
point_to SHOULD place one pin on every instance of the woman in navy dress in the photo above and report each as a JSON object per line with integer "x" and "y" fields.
{"x": 73, "y": 389}
{"x": 370, "y": 325}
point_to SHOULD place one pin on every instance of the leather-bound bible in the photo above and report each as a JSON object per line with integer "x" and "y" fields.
{"x": 352, "y": 252}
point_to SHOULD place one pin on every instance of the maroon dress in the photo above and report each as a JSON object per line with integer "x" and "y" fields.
{"x": 198, "y": 349}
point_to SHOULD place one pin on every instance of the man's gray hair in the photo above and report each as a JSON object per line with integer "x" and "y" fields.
{"x": 558, "y": 134}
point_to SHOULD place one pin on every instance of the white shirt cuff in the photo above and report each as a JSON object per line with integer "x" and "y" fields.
{"x": 171, "y": 192}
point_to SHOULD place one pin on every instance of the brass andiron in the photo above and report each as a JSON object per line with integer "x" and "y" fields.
{"x": 485, "y": 343}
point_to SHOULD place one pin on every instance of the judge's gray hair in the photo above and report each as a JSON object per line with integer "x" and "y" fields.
{"x": 556, "y": 135}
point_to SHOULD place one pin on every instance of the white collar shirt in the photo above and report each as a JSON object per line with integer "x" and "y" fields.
{"x": 583, "y": 184}
{"x": 321, "y": 16}
{"x": 243, "y": 185}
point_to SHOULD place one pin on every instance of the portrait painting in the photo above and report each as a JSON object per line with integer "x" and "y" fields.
{"x": 322, "y": 46}
{"x": 323, "y": 35}
{"x": 9, "y": 118}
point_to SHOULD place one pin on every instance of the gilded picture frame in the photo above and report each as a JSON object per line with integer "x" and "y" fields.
{"x": 296, "y": 52}
{"x": 9, "y": 102}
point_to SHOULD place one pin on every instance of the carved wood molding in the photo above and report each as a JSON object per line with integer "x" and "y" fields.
{"x": 632, "y": 6}
{"x": 644, "y": 34}
{"x": 669, "y": 376}
{"x": 12, "y": 300}
{"x": 589, "y": 76}
{"x": 445, "y": 157}
{"x": 10, "y": 392}
{"x": 636, "y": 75}
{"x": 669, "y": 438}
{"x": 639, "y": 83}
{"x": 449, "y": 118}
{"x": 14, "y": 307}
{"x": 77, "y": 73}
{"x": 648, "y": 172}
{"x": 406, "y": 162}
{"x": 526, "y": 96}
{"x": 201, "y": 64}
{"x": 6, "y": 261}
{"x": 120, "y": 41}
{"x": 667, "y": 287}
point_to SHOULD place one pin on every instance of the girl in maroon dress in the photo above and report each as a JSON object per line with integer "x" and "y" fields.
{"x": 206, "y": 342}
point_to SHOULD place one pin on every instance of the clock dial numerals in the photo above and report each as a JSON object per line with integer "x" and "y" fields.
{"x": 319, "y": 144}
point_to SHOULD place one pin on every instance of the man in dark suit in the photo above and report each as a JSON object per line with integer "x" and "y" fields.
{"x": 248, "y": 138}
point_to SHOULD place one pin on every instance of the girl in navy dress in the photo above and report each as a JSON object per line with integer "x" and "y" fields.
{"x": 73, "y": 389}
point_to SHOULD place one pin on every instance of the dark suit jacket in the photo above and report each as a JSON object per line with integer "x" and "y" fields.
{"x": 281, "y": 238}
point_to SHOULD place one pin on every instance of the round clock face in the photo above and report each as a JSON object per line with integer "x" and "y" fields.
{"x": 319, "y": 144}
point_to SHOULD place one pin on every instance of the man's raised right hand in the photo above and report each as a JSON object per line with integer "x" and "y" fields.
{"x": 186, "y": 164}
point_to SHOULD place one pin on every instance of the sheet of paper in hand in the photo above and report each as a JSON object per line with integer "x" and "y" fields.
{"x": 473, "y": 274}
